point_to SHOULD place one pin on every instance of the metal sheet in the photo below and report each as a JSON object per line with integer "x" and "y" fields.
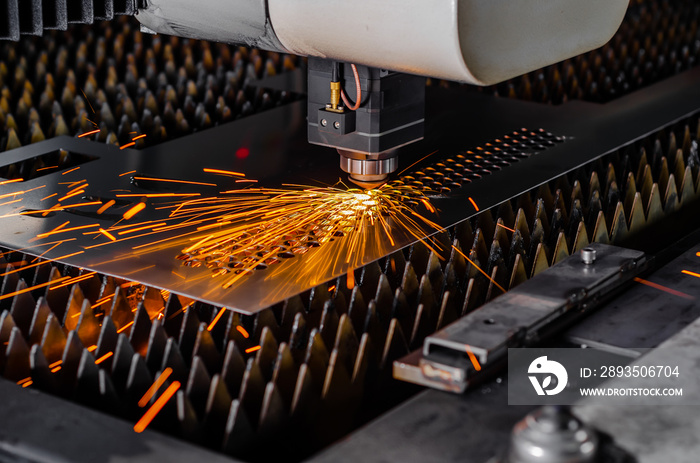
{"x": 279, "y": 154}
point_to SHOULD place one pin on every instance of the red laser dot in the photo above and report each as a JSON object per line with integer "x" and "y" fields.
{"x": 242, "y": 153}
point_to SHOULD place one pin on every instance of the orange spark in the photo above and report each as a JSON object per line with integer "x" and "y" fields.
{"x": 31, "y": 288}
{"x": 63, "y": 230}
{"x": 12, "y": 181}
{"x": 697, "y": 254}
{"x": 28, "y": 383}
{"x": 127, "y": 173}
{"x": 104, "y": 357}
{"x": 663, "y": 288}
{"x": 56, "y": 363}
{"x": 223, "y": 172}
{"x": 22, "y": 381}
{"x": 54, "y": 370}
{"x": 157, "y": 195}
{"x": 472, "y": 357}
{"x": 216, "y": 319}
{"x": 351, "y": 279}
{"x": 132, "y": 230}
{"x": 92, "y": 348}
{"x": 242, "y": 331}
{"x": 88, "y": 133}
{"x": 139, "y": 137}
{"x": 474, "y": 204}
{"x": 69, "y": 171}
{"x": 252, "y": 349}
{"x": 331, "y": 288}
{"x": 127, "y": 145}
{"x": 134, "y": 210}
{"x": 479, "y": 269}
{"x": 692, "y": 274}
{"x": 46, "y": 168}
{"x": 70, "y": 195}
{"x": 503, "y": 226}
{"x": 107, "y": 234}
{"x": 143, "y": 423}
{"x": 155, "y": 386}
{"x": 125, "y": 327}
{"x": 107, "y": 205}
{"x": 173, "y": 181}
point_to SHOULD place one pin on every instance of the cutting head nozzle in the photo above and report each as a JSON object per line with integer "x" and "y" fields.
{"x": 367, "y": 171}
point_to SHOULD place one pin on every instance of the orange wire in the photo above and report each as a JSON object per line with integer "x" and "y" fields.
{"x": 358, "y": 91}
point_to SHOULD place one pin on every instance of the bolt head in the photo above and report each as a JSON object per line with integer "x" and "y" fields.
{"x": 588, "y": 256}
{"x": 324, "y": 122}
{"x": 336, "y": 124}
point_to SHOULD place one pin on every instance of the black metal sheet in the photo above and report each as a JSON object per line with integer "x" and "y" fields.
{"x": 280, "y": 154}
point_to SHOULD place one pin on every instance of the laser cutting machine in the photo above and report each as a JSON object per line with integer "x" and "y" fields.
{"x": 553, "y": 143}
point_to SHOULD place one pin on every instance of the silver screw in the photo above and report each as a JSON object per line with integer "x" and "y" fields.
{"x": 336, "y": 124}
{"x": 324, "y": 122}
{"x": 588, "y": 255}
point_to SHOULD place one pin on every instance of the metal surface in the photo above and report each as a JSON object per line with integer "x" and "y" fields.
{"x": 654, "y": 433}
{"x": 280, "y": 154}
{"x": 521, "y": 316}
{"x": 465, "y": 40}
{"x": 645, "y": 316}
{"x": 47, "y": 429}
{"x": 238, "y": 21}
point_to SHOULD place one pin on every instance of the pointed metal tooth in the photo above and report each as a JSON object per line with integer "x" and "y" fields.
{"x": 646, "y": 184}
{"x": 266, "y": 355}
{"x": 70, "y": 363}
{"x": 600, "y": 231}
{"x": 120, "y": 363}
{"x": 172, "y": 315}
{"x": 505, "y": 214}
{"x": 409, "y": 285}
{"x": 637, "y": 220}
{"x": 594, "y": 185}
{"x": 654, "y": 209}
{"x": 581, "y": 239}
{"x": 233, "y": 369}
{"x": 518, "y": 274}
{"x": 641, "y": 167}
{"x": 75, "y": 304}
{"x": 88, "y": 327}
{"x": 9, "y": 284}
{"x": 22, "y": 309}
{"x": 619, "y": 230}
{"x": 688, "y": 188}
{"x": 299, "y": 338}
{"x": 217, "y": 410}
{"x": 338, "y": 402}
{"x": 394, "y": 347}
{"x": 138, "y": 381}
{"x": 402, "y": 311}
{"x": 501, "y": 239}
{"x": 53, "y": 340}
{"x": 434, "y": 274}
{"x": 357, "y": 310}
{"x": 427, "y": 297}
{"x": 561, "y": 250}
{"x": 384, "y": 298}
{"x": 17, "y": 365}
{"x": 672, "y": 146}
{"x": 479, "y": 251}
{"x": 172, "y": 358}
{"x": 540, "y": 260}
{"x": 372, "y": 327}
{"x": 120, "y": 312}
{"x": 239, "y": 435}
{"x": 329, "y": 323}
{"x": 285, "y": 374}
{"x": 87, "y": 387}
{"x": 240, "y": 335}
{"x": 188, "y": 333}
{"x": 421, "y": 327}
{"x": 198, "y": 383}
{"x": 369, "y": 280}
{"x": 346, "y": 342}
{"x": 153, "y": 302}
{"x": 266, "y": 320}
{"x": 90, "y": 288}
{"x": 448, "y": 312}
{"x": 252, "y": 391}
{"x": 671, "y": 199}
{"x": 205, "y": 349}
{"x": 525, "y": 203}
{"x": 317, "y": 358}
{"x": 290, "y": 309}
{"x": 678, "y": 168}
{"x": 395, "y": 265}
{"x": 40, "y": 373}
{"x": 107, "y": 342}
{"x": 498, "y": 276}
{"x": 156, "y": 346}
{"x": 138, "y": 332}
{"x": 184, "y": 415}
{"x": 418, "y": 257}
{"x": 219, "y": 331}
{"x": 273, "y": 415}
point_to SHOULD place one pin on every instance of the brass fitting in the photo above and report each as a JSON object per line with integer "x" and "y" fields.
{"x": 335, "y": 95}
